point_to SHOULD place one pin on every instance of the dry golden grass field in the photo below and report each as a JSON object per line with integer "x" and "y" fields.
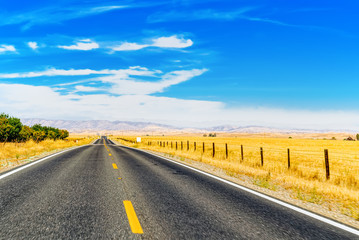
{"x": 305, "y": 178}
{"x": 13, "y": 154}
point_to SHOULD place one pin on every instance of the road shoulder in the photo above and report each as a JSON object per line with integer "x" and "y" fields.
{"x": 248, "y": 182}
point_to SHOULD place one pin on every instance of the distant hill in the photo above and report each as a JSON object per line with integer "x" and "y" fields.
{"x": 259, "y": 129}
{"x": 104, "y": 125}
{"x": 100, "y": 125}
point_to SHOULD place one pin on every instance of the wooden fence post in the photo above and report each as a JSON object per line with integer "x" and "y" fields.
{"x": 262, "y": 156}
{"x": 326, "y": 156}
{"x": 203, "y": 146}
{"x": 214, "y": 149}
{"x": 171, "y": 144}
{"x": 194, "y": 146}
{"x": 187, "y": 145}
{"x": 226, "y": 151}
{"x": 176, "y": 145}
{"x": 242, "y": 157}
{"x": 181, "y": 145}
{"x": 288, "y": 151}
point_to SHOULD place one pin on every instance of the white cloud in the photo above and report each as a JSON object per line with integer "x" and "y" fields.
{"x": 33, "y": 45}
{"x": 7, "y": 48}
{"x": 21, "y": 101}
{"x": 172, "y": 42}
{"x": 124, "y": 85}
{"x": 122, "y": 81}
{"x": 54, "y": 72}
{"x": 126, "y": 97}
{"x": 81, "y": 88}
{"x": 129, "y": 47}
{"x": 136, "y": 70}
{"x": 161, "y": 42}
{"x": 84, "y": 44}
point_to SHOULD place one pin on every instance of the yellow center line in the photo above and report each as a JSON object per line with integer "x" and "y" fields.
{"x": 114, "y": 166}
{"x": 132, "y": 218}
{"x": 110, "y": 154}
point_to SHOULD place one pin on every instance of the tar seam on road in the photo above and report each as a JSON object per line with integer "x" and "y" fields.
{"x": 132, "y": 217}
{"x": 36, "y": 162}
{"x": 284, "y": 204}
{"x": 114, "y": 166}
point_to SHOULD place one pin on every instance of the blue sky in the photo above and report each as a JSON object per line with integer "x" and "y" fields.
{"x": 186, "y": 63}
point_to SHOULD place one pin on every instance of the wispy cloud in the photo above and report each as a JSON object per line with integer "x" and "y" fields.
{"x": 124, "y": 85}
{"x": 205, "y": 14}
{"x": 84, "y": 44}
{"x": 80, "y": 72}
{"x": 210, "y": 14}
{"x": 33, "y": 45}
{"x": 53, "y": 72}
{"x": 161, "y": 42}
{"x": 126, "y": 46}
{"x": 54, "y": 15}
{"x": 7, "y": 48}
{"x": 266, "y": 20}
{"x": 120, "y": 81}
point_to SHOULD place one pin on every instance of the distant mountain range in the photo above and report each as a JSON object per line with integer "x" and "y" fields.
{"x": 99, "y": 125}
{"x": 127, "y": 126}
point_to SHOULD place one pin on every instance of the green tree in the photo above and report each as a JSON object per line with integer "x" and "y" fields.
{"x": 63, "y": 134}
{"x": 5, "y": 128}
{"x": 357, "y": 136}
{"x": 38, "y": 132}
{"x": 38, "y": 135}
{"x": 25, "y": 133}
{"x": 15, "y": 132}
{"x": 51, "y": 134}
{"x": 10, "y": 128}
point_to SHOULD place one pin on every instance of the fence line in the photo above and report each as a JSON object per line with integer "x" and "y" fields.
{"x": 289, "y": 156}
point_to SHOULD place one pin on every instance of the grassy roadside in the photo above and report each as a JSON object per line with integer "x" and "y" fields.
{"x": 339, "y": 194}
{"x": 16, "y": 154}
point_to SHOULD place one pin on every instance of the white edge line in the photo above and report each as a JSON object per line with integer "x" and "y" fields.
{"x": 284, "y": 204}
{"x": 36, "y": 162}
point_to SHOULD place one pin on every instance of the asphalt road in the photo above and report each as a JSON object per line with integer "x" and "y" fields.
{"x": 81, "y": 194}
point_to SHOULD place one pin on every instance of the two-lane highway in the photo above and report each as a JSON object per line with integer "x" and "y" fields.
{"x": 105, "y": 191}
{"x": 70, "y": 196}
